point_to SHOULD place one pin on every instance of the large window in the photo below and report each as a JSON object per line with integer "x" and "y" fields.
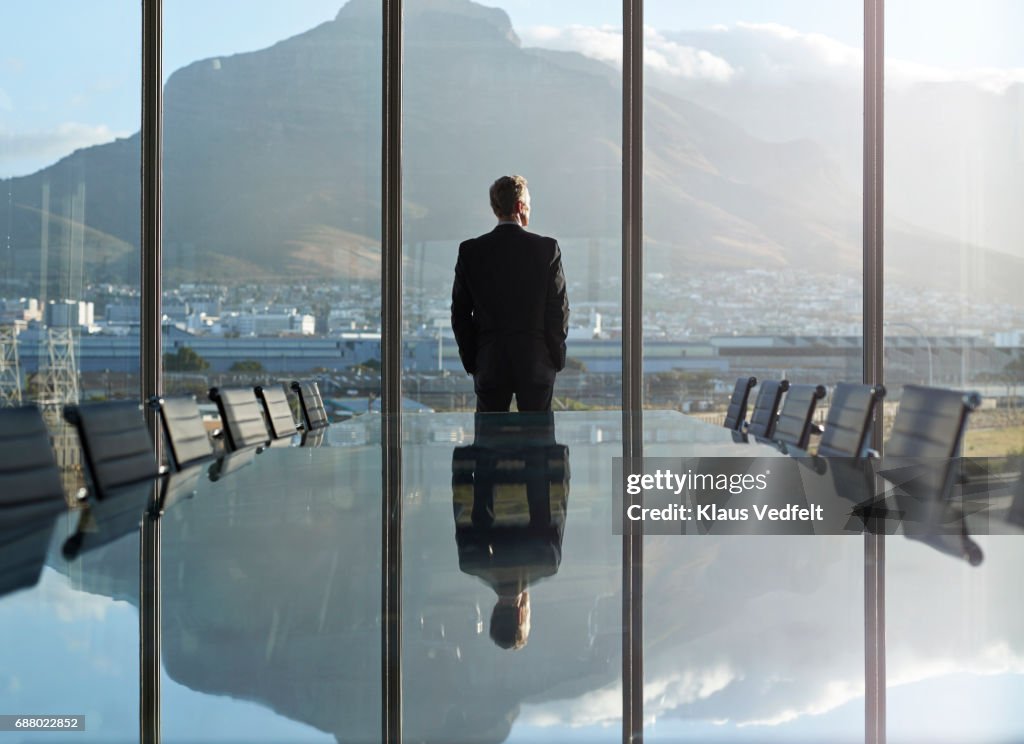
{"x": 490, "y": 92}
{"x": 272, "y": 198}
{"x": 752, "y": 263}
{"x": 752, "y": 266}
{"x": 953, "y": 233}
{"x": 501, "y": 91}
{"x": 69, "y": 292}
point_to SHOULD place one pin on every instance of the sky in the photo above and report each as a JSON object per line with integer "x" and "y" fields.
{"x": 80, "y": 84}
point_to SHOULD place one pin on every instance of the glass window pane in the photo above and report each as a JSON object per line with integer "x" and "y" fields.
{"x": 271, "y": 574}
{"x": 272, "y": 198}
{"x": 503, "y": 91}
{"x": 270, "y": 599}
{"x": 69, "y": 291}
{"x": 511, "y": 624}
{"x": 753, "y": 267}
{"x": 69, "y": 224}
{"x": 954, "y": 160}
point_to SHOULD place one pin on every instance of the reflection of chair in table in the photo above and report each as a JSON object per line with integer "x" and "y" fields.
{"x": 123, "y": 509}
{"x": 25, "y": 536}
{"x": 30, "y": 485}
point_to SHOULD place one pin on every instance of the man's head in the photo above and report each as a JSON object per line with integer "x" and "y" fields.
{"x": 510, "y": 199}
{"x": 510, "y": 621}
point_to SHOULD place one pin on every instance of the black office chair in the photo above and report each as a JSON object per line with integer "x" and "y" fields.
{"x": 277, "y": 411}
{"x": 737, "y": 413}
{"x": 314, "y": 415}
{"x": 930, "y": 423}
{"x": 921, "y": 458}
{"x": 182, "y": 424}
{"x": 766, "y": 408}
{"x": 241, "y": 418}
{"x": 794, "y": 425}
{"x": 848, "y": 425}
{"x": 30, "y": 485}
{"x": 115, "y": 443}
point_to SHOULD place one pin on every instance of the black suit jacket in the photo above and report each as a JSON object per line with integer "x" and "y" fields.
{"x": 509, "y": 287}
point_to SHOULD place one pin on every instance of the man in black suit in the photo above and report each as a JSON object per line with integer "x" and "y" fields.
{"x": 510, "y": 313}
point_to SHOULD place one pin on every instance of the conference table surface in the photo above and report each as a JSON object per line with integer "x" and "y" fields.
{"x": 270, "y": 595}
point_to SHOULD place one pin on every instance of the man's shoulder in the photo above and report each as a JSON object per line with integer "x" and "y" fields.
{"x": 541, "y": 239}
{"x": 508, "y": 235}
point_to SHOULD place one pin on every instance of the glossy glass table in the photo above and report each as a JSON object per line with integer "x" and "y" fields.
{"x": 266, "y": 609}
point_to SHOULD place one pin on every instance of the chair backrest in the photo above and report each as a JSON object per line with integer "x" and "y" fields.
{"x": 241, "y": 417}
{"x": 930, "y": 422}
{"x": 115, "y": 443}
{"x": 277, "y": 411}
{"x": 928, "y": 429}
{"x": 28, "y": 470}
{"x": 737, "y": 412}
{"x": 314, "y": 415}
{"x": 848, "y": 425}
{"x": 766, "y": 408}
{"x": 182, "y": 423}
{"x": 794, "y": 424}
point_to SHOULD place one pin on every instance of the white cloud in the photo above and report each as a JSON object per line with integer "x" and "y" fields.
{"x": 604, "y": 43}
{"x": 663, "y": 693}
{"x": 902, "y": 73}
{"x": 676, "y": 59}
{"x": 758, "y": 52}
{"x": 26, "y": 151}
{"x": 766, "y": 650}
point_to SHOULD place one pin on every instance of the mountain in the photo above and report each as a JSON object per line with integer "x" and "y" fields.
{"x": 272, "y": 168}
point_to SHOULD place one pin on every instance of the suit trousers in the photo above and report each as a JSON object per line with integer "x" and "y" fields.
{"x": 514, "y": 365}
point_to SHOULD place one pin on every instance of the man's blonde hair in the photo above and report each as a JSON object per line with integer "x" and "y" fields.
{"x": 505, "y": 192}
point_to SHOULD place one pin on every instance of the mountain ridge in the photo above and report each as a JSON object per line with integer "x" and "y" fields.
{"x": 272, "y": 164}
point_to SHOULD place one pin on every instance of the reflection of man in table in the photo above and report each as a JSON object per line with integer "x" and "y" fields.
{"x": 509, "y": 493}
{"x": 510, "y": 313}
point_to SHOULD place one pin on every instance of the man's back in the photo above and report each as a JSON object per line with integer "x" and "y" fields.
{"x": 508, "y": 272}
{"x": 510, "y": 314}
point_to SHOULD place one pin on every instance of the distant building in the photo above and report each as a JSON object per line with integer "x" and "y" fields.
{"x": 69, "y": 314}
{"x": 123, "y": 314}
{"x": 23, "y": 309}
{"x": 272, "y": 324}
